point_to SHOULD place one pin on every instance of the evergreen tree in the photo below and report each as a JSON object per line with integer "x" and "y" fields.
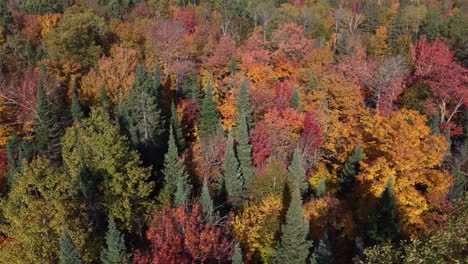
{"x": 209, "y": 123}
{"x": 244, "y": 108}
{"x": 457, "y": 191}
{"x": 157, "y": 79}
{"x": 76, "y": 110}
{"x": 372, "y": 16}
{"x": 244, "y": 153}
{"x": 17, "y": 149}
{"x": 383, "y": 224}
{"x": 6, "y": 18}
{"x": 433, "y": 25}
{"x": 233, "y": 67}
{"x": 321, "y": 188}
{"x": 177, "y": 187}
{"x": 295, "y": 100}
{"x": 237, "y": 257}
{"x": 435, "y": 125}
{"x": 294, "y": 246}
{"x": 397, "y": 27}
{"x": 296, "y": 171}
{"x": 48, "y": 132}
{"x": 125, "y": 127}
{"x": 207, "y": 204}
{"x": 68, "y": 252}
{"x": 351, "y": 169}
{"x": 233, "y": 182}
{"x": 323, "y": 254}
{"x": 115, "y": 250}
{"x": 177, "y": 129}
{"x": 105, "y": 103}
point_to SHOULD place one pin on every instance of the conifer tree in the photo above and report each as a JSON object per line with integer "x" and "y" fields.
{"x": 157, "y": 79}
{"x": 294, "y": 246}
{"x": 233, "y": 181}
{"x": 105, "y": 102}
{"x": 76, "y": 109}
{"x": 125, "y": 127}
{"x": 296, "y": 171}
{"x": 372, "y": 19}
{"x": 233, "y": 67}
{"x": 435, "y": 125}
{"x": 177, "y": 187}
{"x": 244, "y": 108}
{"x": 209, "y": 123}
{"x": 17, "y": 149}
{"x": 321, "y": 188}
{"x": 48, "y": 132}
{"x": 295, "y": 100}
{"x": 244, "y": 153}
{"x": 68, "y": 252}
{"x": 323, "y": 253}
{"x": 351, "y": 169}
{"x": 237, "y": 257}
{"x": 383, "y": 224}
{"x": 207, "y": 204}
{"x": 177, "y": 129}
{"x": 115, "y": 250}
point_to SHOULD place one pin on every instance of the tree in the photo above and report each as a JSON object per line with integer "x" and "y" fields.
{"x": 42, "y": 7}
{"x": 296, "y": 171}
{"x": 233, "y": 182}
{"x": 68, "y": 252}
{"x": 321, "y": 188}
{"x": 296, "y": 100}
{"x": 383, "y": 224}
{"x": 209, "y": 122}
{"x": 378, "y": 47}
{"x": 244, "y": 108}
{"x": 372, "y": 17}
{"x": 76, "y": 109}
{"x": 115, "y": 250}
{"x": 350, "y": 170}
{"x": 294, "y": 246}
{"x": 177, "y": 187}
{"x": 237, "y": 258}
{"x": 177, "y": 127}
{"x": 18, "y": 150}
{"x": 244, "y": 153}
{"x": 323, "y": 253}
{"x": 207, "y": 204}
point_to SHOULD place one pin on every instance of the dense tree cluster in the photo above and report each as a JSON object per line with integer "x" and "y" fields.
{"x": 233, "y": 131}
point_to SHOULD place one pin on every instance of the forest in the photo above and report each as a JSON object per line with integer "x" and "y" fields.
{"x": 233, "y": 131}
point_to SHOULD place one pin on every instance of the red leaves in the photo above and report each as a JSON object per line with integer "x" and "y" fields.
{"x": 179, "y": 236}
{"x": 311, "y": 136}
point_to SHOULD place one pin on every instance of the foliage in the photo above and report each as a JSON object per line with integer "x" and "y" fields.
{"x": 68, "y": 252}
{"x": 115, "y": 250}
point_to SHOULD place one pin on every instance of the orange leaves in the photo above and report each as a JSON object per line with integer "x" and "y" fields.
{"x": 48, "y": 22}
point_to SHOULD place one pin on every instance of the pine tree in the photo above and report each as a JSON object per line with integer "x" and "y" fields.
{"x": 207, "y": 204}
{"x": 296, "y": 100}
{"x": 76, "y": 110}
{"x": 177, "y": 129}
{"x": 237, "y": 257}
{"x": 125, "y": 127}
{"x": 244, "y": 108}
{"x": 433, "y": 25}
{"x": 244, "y": 153}
{"x": 296, "y": 171}
{"x": 177, "y": 187}
{"x": 233, "y": 67}
{"x": 323, "y": 254}
{"x": 233, "y": 181}
{"x": 48, "y": 133}
{"x": 321, "y": 188}
{"x": 68, "y": 252}
{"x": 209, "y": 123}
{"x": 115, "y": 250}
{"x": 383, "y": 224}
{"x": 372, "y": 14}
{"x": 435, "y": 125}
{"x": 294, "y": 246}
{"x": 351, "y": 169}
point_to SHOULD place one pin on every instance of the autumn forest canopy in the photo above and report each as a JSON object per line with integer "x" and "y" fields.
{"x": 233, "y": 131}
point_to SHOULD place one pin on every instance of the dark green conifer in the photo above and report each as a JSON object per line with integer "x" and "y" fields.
{"x": 177, "y": 127}
{"x": 68, "y": 252}
{"x": 209, "y": 123}
{"x": 244, "y": 153}
{"x": 433, "y": 25}
{"x": 351, "y": 169}
{"x": 115, "y": 250}
{"x": 244, "y": 108}
{"x": 237, "y": 257}
{"x": 76, "y": 109}
{"x": 233, "y": 181}
{"x": 296, "y": 171}
{"x": 104, "y": 100}
{"x": 435, "y": 125}
{"x": 207, "y": 204}
{"x": 321, "y": 188}
{"x": 372, "y": 16}
{"x": 17, "y": 149}
{"x": 233, "y": 67}
{"x": 295, "y": 100}
{"x": 323, "y": 253}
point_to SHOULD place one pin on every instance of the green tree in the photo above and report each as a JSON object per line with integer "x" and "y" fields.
{"x": 233, "y": 67}
{"x": 244, "y": 153}
{"x": 207, "y": 204}
{"x": 383, "y": 224}
{"x": 76, "y": 109}
{"x": 68, "y": 252}
{"x": 296, "y": 172}
{"x": 294, "y": 246}
{"x": 372, "y": 16}
{"x": 295, "y": 100}
{"x": 237, "y": 257}
{"x": 323, "y": 253}
{"x": 232, "y": 180}
{"x": 209, "y": 123}
{"x": 124, "y": 185}
{"x": 321, "y": 188}
{"x": 244, "y": 108}
{"x": 6, "y": 18}
{"x": 42, "y": 7}
{"x": 433, "y": 26}
{"x": 177, "y": 187}
{"x": 177, "y": 129}
{"x": 18, "y": 151}
{"x": 115, "y": 250}
{"x": 351, "y": 169}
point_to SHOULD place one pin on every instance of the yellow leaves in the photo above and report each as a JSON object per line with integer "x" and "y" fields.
{"x": 378, "y": 46}
{"x": 48, "y": 22}
{"x": 323, "y": 173}
{"x": 261, "y": 75}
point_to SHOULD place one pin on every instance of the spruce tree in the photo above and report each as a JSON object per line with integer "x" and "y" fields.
{"x": 244, "y": 108}
{"x": 233, "y": 67}
{"x": 323, "y": 253}
{"x": 115, "y": 250}
{"x": 233, "y": 182}
{"x": 68, "y": 252}
{"x": 76, "y": 109}
{"x": 237, "y": 257}
{"x": 48, "y": 133}
{"x": 207, "y": 204}
{"x": 295, "y": 100}
{"x": 296, "y": 171}
{"x": 209, "y": 123}
{"x": 17, "y": 149}
{"x": 383, "y": 224}
{"x": 177, "y": 129}
{"x": 372, "y": 16}
{"x": 321, "y": 188}
{"x": 177, "y": 187}
{"x": 351, "y": 169}
{"x": 294, "y": 246}
{"x": 435, "y": 125}
{"x": 244, "y": 153}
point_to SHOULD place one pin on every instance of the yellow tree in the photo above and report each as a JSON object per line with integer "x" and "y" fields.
{"x": 378, "y": 46}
